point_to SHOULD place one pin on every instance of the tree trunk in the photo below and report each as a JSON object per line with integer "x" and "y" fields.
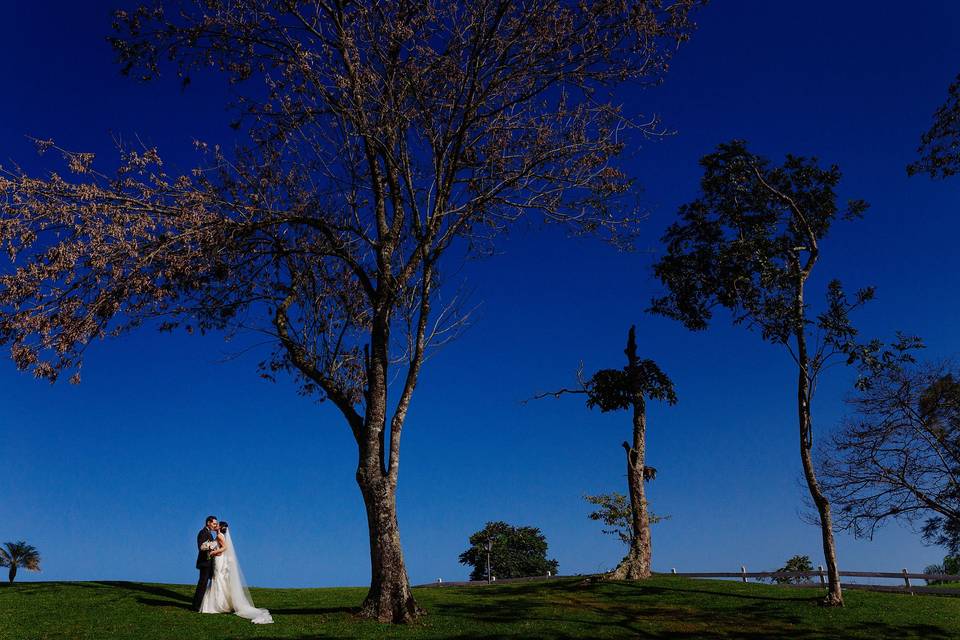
{"x": 13, "y": 572}
{"x": 834, "y": 597}
{"x": 389, "y": 598}
{"x": 636, "y": 564}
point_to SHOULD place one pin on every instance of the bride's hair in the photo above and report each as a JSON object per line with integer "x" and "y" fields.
{"x": 223, "y": 526}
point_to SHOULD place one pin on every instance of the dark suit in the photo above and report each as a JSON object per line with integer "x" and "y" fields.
{"x": 205, "y": 565}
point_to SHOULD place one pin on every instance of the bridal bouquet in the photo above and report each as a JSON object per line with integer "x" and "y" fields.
{"x": 208, "y": 546}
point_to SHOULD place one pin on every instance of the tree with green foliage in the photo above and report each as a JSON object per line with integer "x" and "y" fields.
{"x": 515, "y": 552}
{"x": 615, "y": 512}
{"x": 749, "y": 244}
{"x": 623, "y": 389}
{"x": 950, "y": 567}
{"x": 19, "y": 554}
{"x": 940, "y": 145}
{"x": 796, "y": 564}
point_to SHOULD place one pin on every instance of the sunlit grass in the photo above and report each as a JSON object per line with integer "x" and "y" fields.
{"x": 662, "y": 607}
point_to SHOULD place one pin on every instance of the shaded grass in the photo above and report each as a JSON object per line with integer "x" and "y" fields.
{"x": 662, "y": 607}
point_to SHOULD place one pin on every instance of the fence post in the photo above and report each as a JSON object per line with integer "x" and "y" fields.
{"x": 743, "y": 570}
{"x": 822, "y": 579}
{"x": 906, "y": 579}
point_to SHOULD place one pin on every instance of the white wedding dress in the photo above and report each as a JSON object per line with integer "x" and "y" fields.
{"x": 228, "y": 592}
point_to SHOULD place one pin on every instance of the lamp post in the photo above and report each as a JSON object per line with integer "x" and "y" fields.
{"x": 489, "y": 546}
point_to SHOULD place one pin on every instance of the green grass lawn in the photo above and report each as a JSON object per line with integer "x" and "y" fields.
{"x": 662, "y": 607}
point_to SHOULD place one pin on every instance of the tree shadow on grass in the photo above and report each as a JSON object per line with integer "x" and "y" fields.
{"x": 314, "y": 611}
{"x": 153, "y": 602}
{"x": 179, "y": 600}
{"x": 308, "y": 636}
{"x": 638, "y": 587}
{"x": 639, "y": 611}
{"x": 884, "y": 632}
{"x": 492, "y": 635}
{"x": 628, "y": 622}
{"x": 33, "y": 588}
{"x": 878, "y": 632}
{"x": 551, "y": 634}
{"x": 650, "y": 590}
{"x": 28, "y": 588}
{"x": 150, "y": 589}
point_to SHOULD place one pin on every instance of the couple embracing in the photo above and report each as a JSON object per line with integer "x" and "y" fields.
{"x": 218, "y": 565}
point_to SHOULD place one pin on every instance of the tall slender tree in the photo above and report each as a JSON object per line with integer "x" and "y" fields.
{"x": 384, "y": 139}
{"x": 628, "y": 389}
{"x": 749, "y": 244}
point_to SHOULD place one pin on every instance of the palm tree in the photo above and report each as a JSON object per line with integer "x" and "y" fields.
{"x": 19, "y": 554}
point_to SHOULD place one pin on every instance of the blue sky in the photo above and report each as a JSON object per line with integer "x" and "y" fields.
{"x": 112, "y": 478}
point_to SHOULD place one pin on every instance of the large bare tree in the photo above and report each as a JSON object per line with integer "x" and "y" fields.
{"x": 383, "y": 139}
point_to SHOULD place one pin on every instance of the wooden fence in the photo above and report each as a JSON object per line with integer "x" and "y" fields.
{"x": 477, "y": 583}
{"x": 821, "y": 575}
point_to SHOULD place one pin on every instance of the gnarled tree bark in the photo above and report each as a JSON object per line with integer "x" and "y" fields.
{"x": 389, "y": 598}
{"x": 636, "y": 565}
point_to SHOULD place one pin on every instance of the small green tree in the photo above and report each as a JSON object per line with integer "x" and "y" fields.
{"x": 19, "y": 554}
{"x": 515, "y": 552}
{"x": 950, "y": 566}
{"x": 796, "y": 564}
{"x": 934, "y": 569}
{"x": 615, "y": 512}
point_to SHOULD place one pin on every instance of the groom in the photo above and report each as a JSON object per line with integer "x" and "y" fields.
{"x": 204, "y": 560}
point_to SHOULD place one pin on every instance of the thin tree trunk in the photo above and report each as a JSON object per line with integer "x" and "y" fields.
{"x": 834, "y": 597}
{"x": 13, "y": 572}
{"x": 636, "y": 564}
{"x": 389, "y": 598}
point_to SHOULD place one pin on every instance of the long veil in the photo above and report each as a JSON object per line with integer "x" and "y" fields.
{"x": 239, "y": 594}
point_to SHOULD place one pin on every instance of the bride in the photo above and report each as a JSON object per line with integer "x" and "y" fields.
{"x": 228, "y": 592}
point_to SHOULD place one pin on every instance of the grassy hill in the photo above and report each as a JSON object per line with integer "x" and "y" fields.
{"x": 662, "y": 607}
